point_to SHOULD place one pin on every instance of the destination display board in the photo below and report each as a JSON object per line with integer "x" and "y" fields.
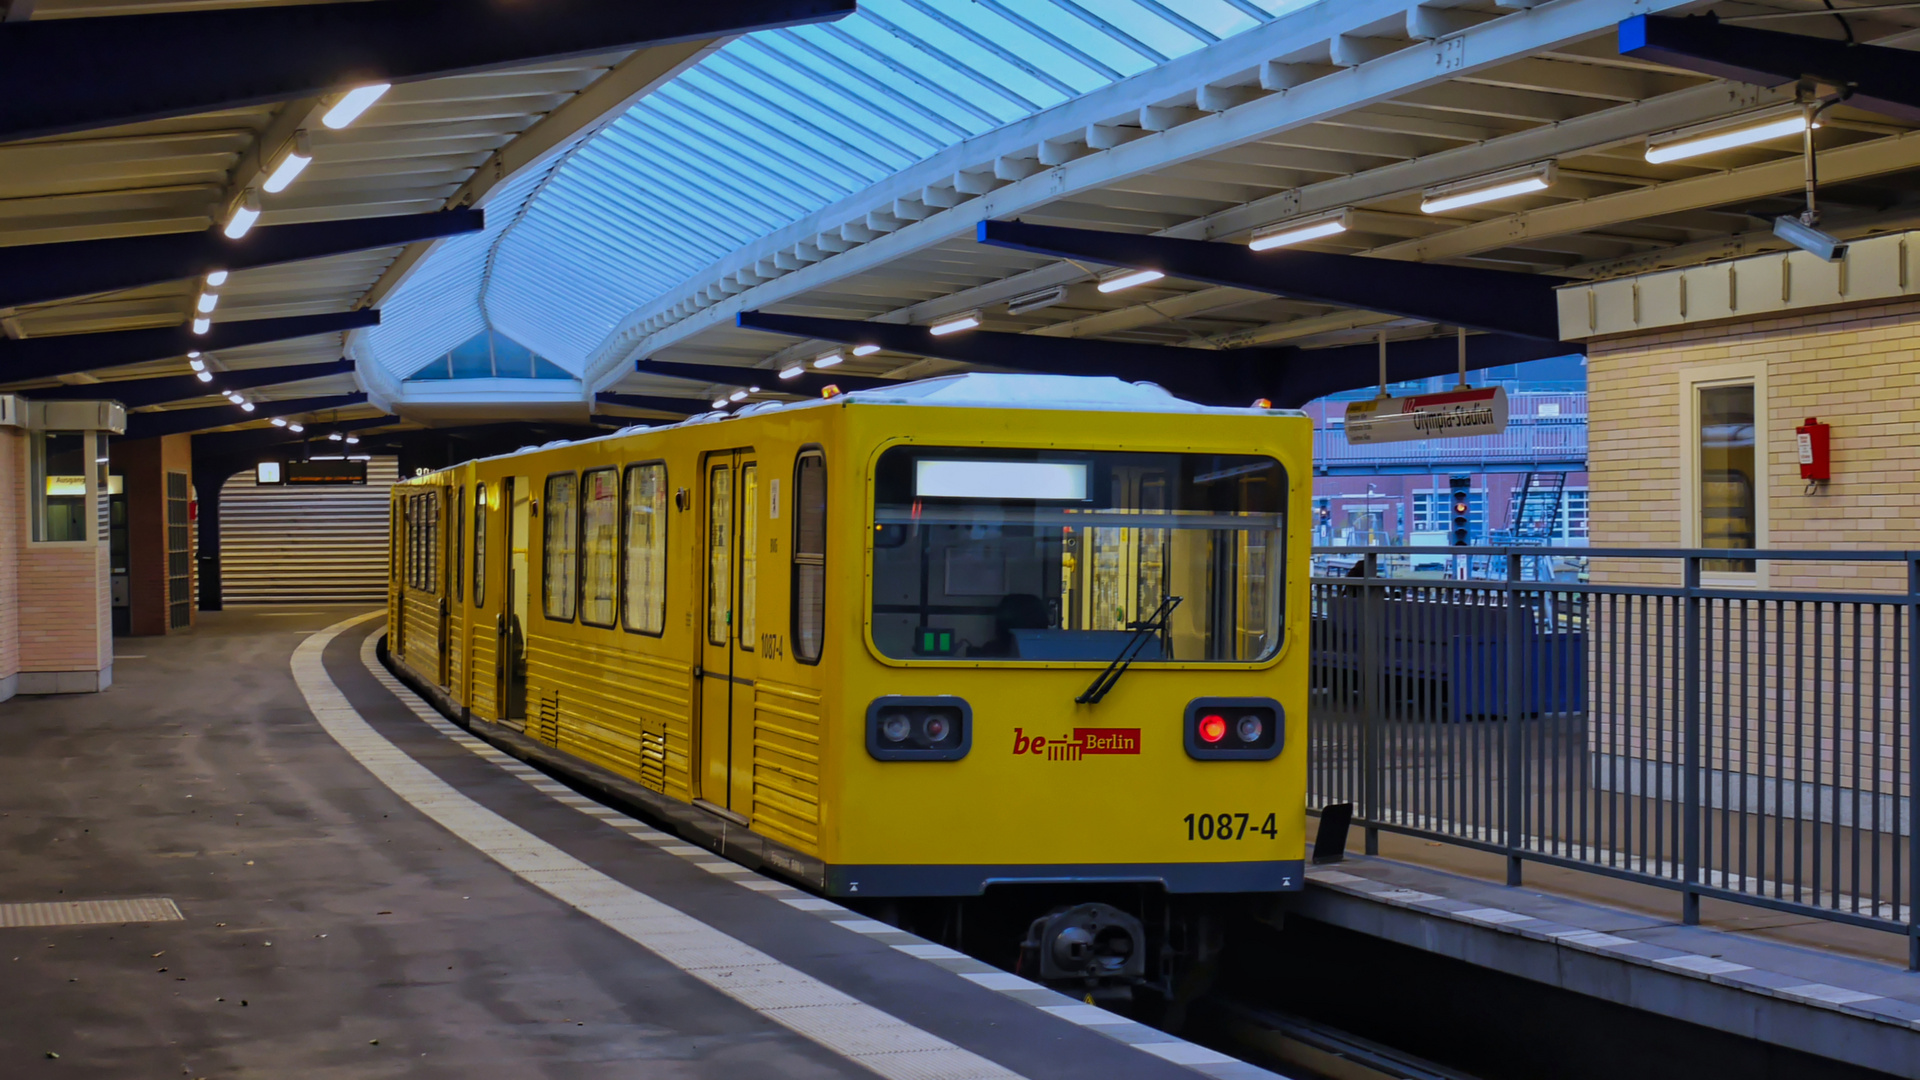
{"x": 1448, "y": 414}
{"x": 311, "y": 472}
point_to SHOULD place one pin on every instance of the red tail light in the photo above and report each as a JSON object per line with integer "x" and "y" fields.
{"x": 1213, "y": 727}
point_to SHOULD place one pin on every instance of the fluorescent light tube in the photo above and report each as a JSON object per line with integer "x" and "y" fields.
{"x": 737, "y": 395}
{"x": 197, "y": 365}
{"x": 719, "y": 403}
{"x": 207, "y": 302}
{"x": 1709, "y": 138}
{"x": 202, "y": 325}
{"x": 217, "y": 278}
{"x": 953, "y": 324}
{"x": 792, "y": 372}
{"x": 865, "y": 350}
{"x": 827, "y": 360}
{"x": 1125, "y": 279}
{"x": 203, "y": 376}
{"x": 246, "y": 406}
{"x": 299, "y": 155}
{"x": 353, "y": 440}
{"x": 357, "y": 100}
{"x": 277, "y": 422}
{"x": 1300, "y": 230}
{"x": 244, "y": 214}
{"x": 335, "y": 436}
{"x": 296, "y": 427}
{"x": 1481, "y": 189}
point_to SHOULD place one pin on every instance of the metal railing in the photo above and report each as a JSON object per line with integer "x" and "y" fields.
{"x": 1654, "y": 720}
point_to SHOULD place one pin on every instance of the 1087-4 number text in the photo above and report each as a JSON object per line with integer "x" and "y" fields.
{"x": 1228, "y": 826}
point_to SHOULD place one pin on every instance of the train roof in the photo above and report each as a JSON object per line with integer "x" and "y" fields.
{"x": 973, "y": 390}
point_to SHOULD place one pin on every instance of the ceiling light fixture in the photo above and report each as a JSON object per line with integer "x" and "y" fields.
{"x": 197, "y": 365}
{"x": 953, "y": 324}
{"x": 298, "y": 155}
{"x": 865, "y": 350}
{"x": 1479, "y": 189}
{"x": 202, "y": 325}
{"x": 204, "y": 376}
{"x": 1301, "y": 230}
{"x": 737, "y": 395}
{"x": 246, "y": 211}
{"x": 353, "y": 440}
{"x": 1127, "y": 279}
{"x": 827, "y": 360}
{"x": 792, "y": 372}
{"x": 207, "y": 302}
{"x": 1718, "y": 135}
{"x": 246, "y": 406}
{"x": 296, "y": 428}
{"x": 1034, "y": 301}
{"x": 216, "y": 278}
{"x": 356, "y": 101}
{"x": 720, "y": 403}
{"x": 335, "y": 436}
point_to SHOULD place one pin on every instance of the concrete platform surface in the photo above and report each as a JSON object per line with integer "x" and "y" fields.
{"x": 259, "y": 855}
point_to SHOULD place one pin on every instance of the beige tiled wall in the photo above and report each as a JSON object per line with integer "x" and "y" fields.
{"x": 1856, "y": 369}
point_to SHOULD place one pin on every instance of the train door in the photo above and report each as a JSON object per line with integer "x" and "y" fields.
{"x": 402, "y": 519}
{"x": 727, "y": 668}
{"x": 516, "y": 577}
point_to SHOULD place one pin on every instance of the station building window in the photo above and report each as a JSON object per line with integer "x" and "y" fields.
{"x": 557, "y": 547}
{"x": 59, "y": 486}
{"x": 1724, "y": 497}
{"x": 599, "y": 542}
{"x": 645, "y": 577}
{"x": 809, "y": 556}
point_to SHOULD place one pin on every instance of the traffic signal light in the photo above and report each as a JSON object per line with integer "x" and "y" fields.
{"x": 1461, "y": 487}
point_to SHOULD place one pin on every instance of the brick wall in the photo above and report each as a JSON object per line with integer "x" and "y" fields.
{"x": 1856, "y": 369}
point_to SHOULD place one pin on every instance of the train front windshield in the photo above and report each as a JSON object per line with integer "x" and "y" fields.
{"x": 1031, "y": 555}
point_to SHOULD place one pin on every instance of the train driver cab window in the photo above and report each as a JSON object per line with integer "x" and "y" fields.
{"x": 1011, "y": 555}
{"x": 599, "y": 538}
{"x": 645, "y": 578}
{"x": 557, "y": 547}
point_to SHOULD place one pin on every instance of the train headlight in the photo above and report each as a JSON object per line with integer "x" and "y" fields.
{"x": 1229, "y": 729}
{"x": 902, "y": 728}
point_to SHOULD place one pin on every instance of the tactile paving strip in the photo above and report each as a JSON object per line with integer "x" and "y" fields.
{"x": 90, "y": 912}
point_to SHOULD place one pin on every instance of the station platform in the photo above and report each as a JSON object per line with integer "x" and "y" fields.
{"x": 1831, "y": 991}
{"x": 259, "y": 855}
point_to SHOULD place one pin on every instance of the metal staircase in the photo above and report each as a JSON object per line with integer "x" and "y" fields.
{"x": 1532, "y": 518}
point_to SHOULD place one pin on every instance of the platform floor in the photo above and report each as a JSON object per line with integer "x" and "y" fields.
{"x": 338, "y": 883}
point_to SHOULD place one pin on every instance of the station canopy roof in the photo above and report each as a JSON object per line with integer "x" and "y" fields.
{"x": 771, "y": 128}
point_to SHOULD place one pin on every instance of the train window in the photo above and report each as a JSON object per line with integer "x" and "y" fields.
{"x": 599, "y": 540}
{"x": 480, "y": 545}
{"x": 809, "y": 556}
{"x": 990, "y": 554}
{"x": 749, "y": 636}
{"x": 557, "y": 547}
{"x": 645, "y": 575}
{"x": 719, "y": 553}
{"x": 459, "y": 543}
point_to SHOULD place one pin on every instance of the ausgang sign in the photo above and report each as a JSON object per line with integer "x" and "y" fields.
{"x": 1428, "y": 416}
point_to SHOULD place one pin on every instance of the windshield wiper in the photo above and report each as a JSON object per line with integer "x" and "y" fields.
{"x": 1143, "y": 632}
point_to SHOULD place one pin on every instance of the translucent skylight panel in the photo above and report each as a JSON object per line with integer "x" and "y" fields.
{"x": 773, "y": 127}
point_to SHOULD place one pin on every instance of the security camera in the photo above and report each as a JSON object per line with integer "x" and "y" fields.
{"x": 1807, "y": 238}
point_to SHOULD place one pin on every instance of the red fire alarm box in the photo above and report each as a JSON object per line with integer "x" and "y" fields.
{"x": 1816, "y": 462}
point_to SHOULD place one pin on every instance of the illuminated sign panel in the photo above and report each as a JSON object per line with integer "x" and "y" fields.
{"x": 936, "y": 478}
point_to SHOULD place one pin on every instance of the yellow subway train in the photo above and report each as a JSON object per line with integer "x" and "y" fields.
{"x": 964, "y": 636}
